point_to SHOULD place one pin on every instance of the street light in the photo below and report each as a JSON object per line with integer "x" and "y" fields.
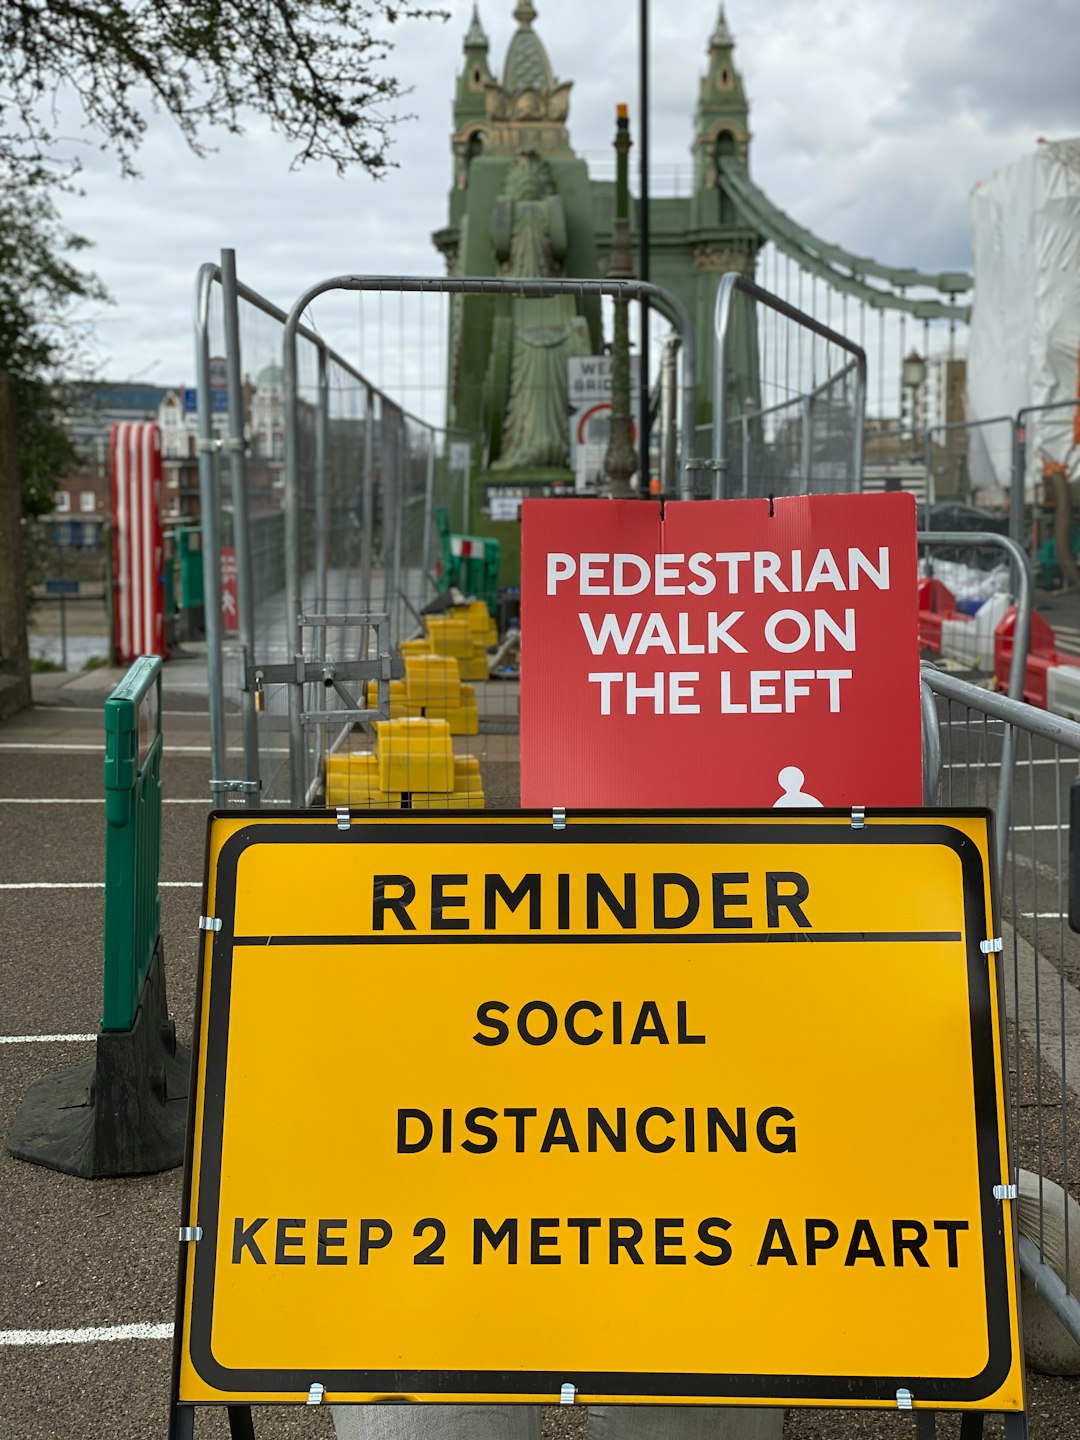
{"x": 912, "y": 379}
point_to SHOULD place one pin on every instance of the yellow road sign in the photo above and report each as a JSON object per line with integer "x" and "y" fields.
{"x": 668, "y": 1108}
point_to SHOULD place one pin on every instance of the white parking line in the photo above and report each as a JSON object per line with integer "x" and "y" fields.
{"x": 89, "y": 1334}
{"x": 41, "y": 1039}
{"x": 90, "y": 885}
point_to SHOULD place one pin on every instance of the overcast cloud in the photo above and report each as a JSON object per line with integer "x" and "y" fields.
{"x": 871, "y": 123}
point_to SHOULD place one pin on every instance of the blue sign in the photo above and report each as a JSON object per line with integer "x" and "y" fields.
{"x": 219, "y": 401}
{"x": 61, "y": 585}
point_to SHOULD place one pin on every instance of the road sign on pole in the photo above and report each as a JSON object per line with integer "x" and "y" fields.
{"x": 487, "y": 1107}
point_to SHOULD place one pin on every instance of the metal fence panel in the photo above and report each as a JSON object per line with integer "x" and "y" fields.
{"x": 993, "y": 748}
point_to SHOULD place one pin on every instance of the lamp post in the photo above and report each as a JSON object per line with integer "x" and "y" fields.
{"x": 913, "y": 378}
{"x": 643, "y": 237}
{"x": 620, "y": 462}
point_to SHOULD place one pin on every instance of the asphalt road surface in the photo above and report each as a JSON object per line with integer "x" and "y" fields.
{"x": 87, "y": 1270}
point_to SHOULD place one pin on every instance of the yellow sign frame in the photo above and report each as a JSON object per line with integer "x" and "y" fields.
{"x": 310, "y": 923}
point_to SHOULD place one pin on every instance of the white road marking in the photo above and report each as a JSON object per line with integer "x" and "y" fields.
{"x": 977, "y": 764}
{"x": 99, "y": 749}
{"x": 90, "y": 885}
{"x": 41, "y": 1039}
{"x": 88, "y": 800}
{"x": 90, "y": 1334}
{"x": 97, "y": 710}
{"x": 1042, "y": 915}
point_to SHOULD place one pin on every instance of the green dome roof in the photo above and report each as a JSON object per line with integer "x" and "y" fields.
{"x": 527, "y": 64}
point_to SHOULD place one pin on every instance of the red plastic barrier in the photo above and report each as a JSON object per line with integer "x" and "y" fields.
{"x": 1042, "y": 655}
{"x": 936, "y": 597}
{"x": 936, "y": 603}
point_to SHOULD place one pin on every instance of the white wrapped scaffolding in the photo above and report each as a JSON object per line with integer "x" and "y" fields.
{"x": 1025, "y": 325}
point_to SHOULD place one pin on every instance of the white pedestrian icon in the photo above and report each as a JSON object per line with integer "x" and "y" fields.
{"x": 791, "y": 782}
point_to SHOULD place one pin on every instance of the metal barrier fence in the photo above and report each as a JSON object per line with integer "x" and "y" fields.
{"x": 68, "y": 572}
{"x": 132, "y": 839}
{"x": 404, "y": 544}
{"x": 368, "y": 477}
{"x": 799, "y": 428}
{"x": 1030, "y": 450}
{"x": 1021, "y": 762}
{"x": 966, "y": 460}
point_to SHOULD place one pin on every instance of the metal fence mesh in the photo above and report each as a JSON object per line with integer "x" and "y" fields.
{"x": 794, "y": 405}
{"x": 1040, "y": 956}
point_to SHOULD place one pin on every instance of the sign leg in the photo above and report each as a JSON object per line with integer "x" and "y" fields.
{"x": 241, "y": 1425}
{"x": 971, "y": 1425}
{"x": 925, "y": 1425}
{"x": 1016, "y": 1426}
{"x": 181, "y": 1422}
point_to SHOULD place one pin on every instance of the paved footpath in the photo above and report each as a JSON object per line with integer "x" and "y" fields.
{"x": 88, "y": 1269}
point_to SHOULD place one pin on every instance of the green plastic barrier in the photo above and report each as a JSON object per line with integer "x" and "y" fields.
{"x": 132, "y": 838}
{"x": 189, "y": 550}
{"x": 475, "y": 574}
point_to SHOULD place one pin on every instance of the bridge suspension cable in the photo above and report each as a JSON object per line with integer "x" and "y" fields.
{"x": 844, "y": 271}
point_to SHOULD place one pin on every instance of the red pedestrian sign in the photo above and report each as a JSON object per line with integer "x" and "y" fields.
{"x": 747, "y": 653}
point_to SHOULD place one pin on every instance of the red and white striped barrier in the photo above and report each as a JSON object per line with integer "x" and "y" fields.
{"x": 984, "y": 641}
{"x": 138, "y": 574}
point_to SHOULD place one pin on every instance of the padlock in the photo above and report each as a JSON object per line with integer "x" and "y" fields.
{"x": 260, "y": 693}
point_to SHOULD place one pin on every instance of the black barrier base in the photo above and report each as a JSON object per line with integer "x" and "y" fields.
{"x": 122, "y": 1113}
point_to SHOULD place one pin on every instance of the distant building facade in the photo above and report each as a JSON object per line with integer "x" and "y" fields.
{"x": 82, "y": 503}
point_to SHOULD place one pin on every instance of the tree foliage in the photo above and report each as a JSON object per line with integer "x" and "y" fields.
{"x": 41, "y": 339}
{"x": 313, "y": 68}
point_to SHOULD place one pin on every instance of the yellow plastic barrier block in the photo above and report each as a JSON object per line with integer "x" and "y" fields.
{"x": 468, "y": 791}
{"x": 432, "y": 680}
{"x": 477, "y": 615}
{"x": 399, "y": 700}
{"x": 474, "y": 667}
{"x": 449, "y": 636}
{"x": 354, "y": 780}
{"x": 421, "y": 646}
{"x": 463, "y": 719}
{"x": 455, "y": 800}
{"x": 414, "y": 754}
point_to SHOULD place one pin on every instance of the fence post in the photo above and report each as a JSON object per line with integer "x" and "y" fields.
{"x": 367, "y": 506}
{"x": 245, "y": 595}
{"x": 125, "y": 1111}
{"x": 14, "y": 650}
{"x": 209, "y": 491}
{"x": 429, "y": 501}
{"x": 1016, "y": 491}
{"x": 401, "y": 451}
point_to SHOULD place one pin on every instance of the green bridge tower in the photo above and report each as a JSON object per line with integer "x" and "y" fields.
{"x": 522, "y": 203}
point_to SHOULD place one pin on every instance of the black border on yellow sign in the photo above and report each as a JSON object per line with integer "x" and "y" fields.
{"x": 747, "y": 1388}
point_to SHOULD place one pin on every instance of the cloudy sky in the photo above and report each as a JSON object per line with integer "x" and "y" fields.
{"x": 872, "y": 120}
